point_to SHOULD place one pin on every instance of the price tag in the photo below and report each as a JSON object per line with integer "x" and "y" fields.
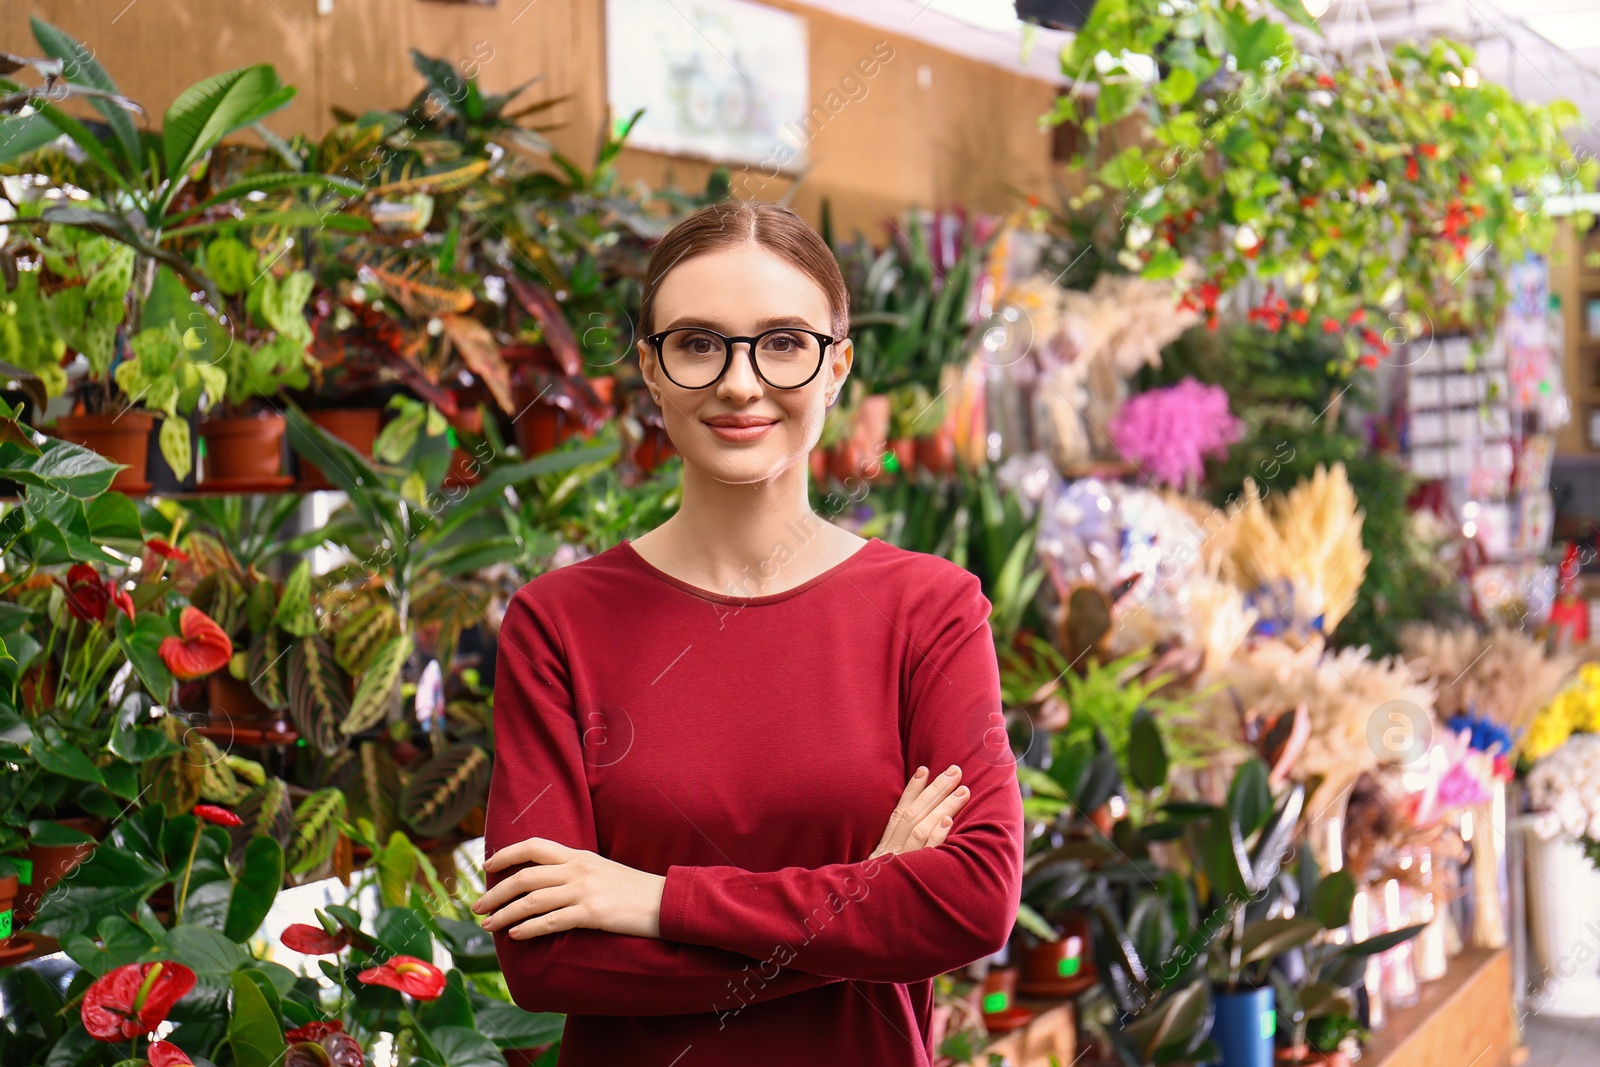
{"x": 996, "y": 1002}
{"x": 5, "y": 924}
{"x": 24, "y": 870}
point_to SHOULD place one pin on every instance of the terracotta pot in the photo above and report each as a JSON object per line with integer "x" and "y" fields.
{"x": 605, "y": 387}
{"x": 819, "y": 465}
{"x": 653, "y": 450}
{"x": 1102, "y": 820}
{"x": 51, "y": 863}
{"x": 844, "y": 460}
{"x": 905, "y": 453}
{"x": 998, "y": 996}
{"x": 244, "y": 449}
{"x": 356, "y": 427}
{"x": 238, "y": 715}
{"x": 8, "y": 897}
{"x": 936, "y": 453}
{"x": 1309, "y": 1057}
{"x": 465, "y": 469}
{"x": 123, "y": 438}
{"x": 542, "y": 427}
{"x": 1064, "y": 967}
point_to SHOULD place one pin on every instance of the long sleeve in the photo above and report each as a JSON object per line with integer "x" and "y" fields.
{"x": 539, "y": 789}
{"x": 901, "y": 918}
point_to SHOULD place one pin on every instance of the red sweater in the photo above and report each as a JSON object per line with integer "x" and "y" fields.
{"x": 751, "y": 749}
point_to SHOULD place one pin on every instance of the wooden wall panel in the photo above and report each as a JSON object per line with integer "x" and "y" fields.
{"x": 965, "y": 133}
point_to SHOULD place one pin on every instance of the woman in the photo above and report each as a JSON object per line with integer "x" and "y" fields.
{"x": 694, "y": 844}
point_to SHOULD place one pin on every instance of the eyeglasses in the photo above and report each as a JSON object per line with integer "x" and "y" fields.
{"x": 695, "y": 358}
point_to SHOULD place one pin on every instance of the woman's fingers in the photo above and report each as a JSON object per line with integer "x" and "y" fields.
{"x": 537, "y": 902}
{"x": 516, "y": 885}
{"x": 531, "y": 850}
{"x": 915, "y": 820}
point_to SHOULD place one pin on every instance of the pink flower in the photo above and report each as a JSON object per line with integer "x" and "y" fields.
{"x": 1168, "y": 433}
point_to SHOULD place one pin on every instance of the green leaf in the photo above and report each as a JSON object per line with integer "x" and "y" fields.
{"x": 1381, "y": 942}
{"x": 209, "y": 110}
{"x": 64, "y": 759}
{"x": 255, "y": 888}
{"x": 81, "y": 68}
{"x": 378, "y": 691}
{"x": 462, "y": 1046}
{"x": 1250, "y": 797}
{"x": 1147, "y": 755}
{"x": 253, "y": 1030}
{"x": 1276, "y": 837}
{"x": 404, "y": 932}
{"x": 1268, "y": 938}
{"x": 1333, "y": 898}
{"x": 1225, "y": 859}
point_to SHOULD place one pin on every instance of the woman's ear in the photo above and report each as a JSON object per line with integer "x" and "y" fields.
{"x": 842, "y": 356}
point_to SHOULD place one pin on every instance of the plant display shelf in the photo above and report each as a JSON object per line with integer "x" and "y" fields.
{"x": 1463, "y": 1018}
{"x": 1050, "y": 1037}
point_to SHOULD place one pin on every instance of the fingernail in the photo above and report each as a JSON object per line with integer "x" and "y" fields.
{"x": 944, "y": 821}
{"x": 922, "y": 772}
{"x": 962, "y": 791}
{"x": 953, "y": 771}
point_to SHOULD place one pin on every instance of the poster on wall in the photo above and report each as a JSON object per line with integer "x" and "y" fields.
{"x": 723, "y": 80}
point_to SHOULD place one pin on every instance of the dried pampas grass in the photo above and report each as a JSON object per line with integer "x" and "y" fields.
{"x": 1310, "y": 537}
{"x": 1503, "y": 675}
{"x": 1342, "y": 692}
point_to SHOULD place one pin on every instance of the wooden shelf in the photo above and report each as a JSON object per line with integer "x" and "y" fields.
{"x": 1052, "y": 1034}
{"x": 1463, "y": 1018}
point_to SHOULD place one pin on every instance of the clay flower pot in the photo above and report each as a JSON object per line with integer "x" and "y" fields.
{"x": 1060, "y": 968}
{"x": 121, "y": 438}
{"x": 905, "y": 453}
{"x": 844, "y": 460}
{"x": 819, "y": 465}
{"x": 356, "y": 427}
{"x": 936, "y": 453}
{"x": 243, "y": 450}
{"x": 238, "y": 714}
{"x": 51, "y": 863}
{"x": 998, "y": 996}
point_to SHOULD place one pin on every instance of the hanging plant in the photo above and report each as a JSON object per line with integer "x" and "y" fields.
{"x": 1375, "y": 199}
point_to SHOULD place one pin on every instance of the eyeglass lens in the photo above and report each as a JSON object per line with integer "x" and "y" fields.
{"x": 786, "y": 358}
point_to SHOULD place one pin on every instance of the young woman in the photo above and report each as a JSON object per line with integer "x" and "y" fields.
{"x": 695, "y": 846}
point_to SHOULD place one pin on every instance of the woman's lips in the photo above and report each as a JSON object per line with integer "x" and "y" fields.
{"x": 741, "y": 433}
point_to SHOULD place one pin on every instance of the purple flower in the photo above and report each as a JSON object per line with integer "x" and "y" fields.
{"x": 1169, "y": 433}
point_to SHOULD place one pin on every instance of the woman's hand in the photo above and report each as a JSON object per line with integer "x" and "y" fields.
{"x": 925, "y": 813}
{"x": 569, "y": 888}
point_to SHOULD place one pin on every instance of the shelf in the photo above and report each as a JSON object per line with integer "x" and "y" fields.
{"x": 1463, "y": 1018}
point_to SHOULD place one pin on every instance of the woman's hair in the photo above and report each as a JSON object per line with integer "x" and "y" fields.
{"x": 732, "y": 223}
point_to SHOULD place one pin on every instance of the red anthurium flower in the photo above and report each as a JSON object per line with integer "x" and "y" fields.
{"x": 314, "y": 941}
{"x": 89, "y": 596}
{"x": 419, "y": 978}
{"x": 1429, "y": 150}
{"x": 132, "y": 1000}
{"x": 1330, "y": 326}
{"x": 214, "y": 814}
{"x": 1413, "y": 172}
{"x": 162, "y": 548}
{"x": 1326, "y": 81}
{"x": 1299, "y": 316}
{"x": 313, "y": 1031}
{"x": 203, "y": 648}
{"x": 166, "y": 1054}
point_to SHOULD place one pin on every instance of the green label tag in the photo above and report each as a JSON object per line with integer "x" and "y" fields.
{"x": 995, "y": 1002}
{"x": 24, "y": 871}
{"x": 1269, "y": 1023}
{"x": 5, "y": 924}
{"x": 1068, "y": 966}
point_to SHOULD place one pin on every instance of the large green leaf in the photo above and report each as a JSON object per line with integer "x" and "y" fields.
{"x": 1250, "y": 797}
{"x": 378, "y": 692}
{"x": 319, "y": 694}
{"x": 81, "y": 68}
{"x": 253, "y": 1030}
{"x": 112, "y": 881}
{"x": 1276, "y": 837}
{"x": 255, "y": 888}
{"x": 443, "y": 789}
{"x": 1267, "y": 938}
{"x": 209, "y": 110}
{"x": 1147, "y": 755}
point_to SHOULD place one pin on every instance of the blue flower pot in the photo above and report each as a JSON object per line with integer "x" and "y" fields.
{"x": 1244, "y": 1026}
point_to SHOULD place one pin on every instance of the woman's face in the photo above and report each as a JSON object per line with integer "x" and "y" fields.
{"x": 743, "y": 291}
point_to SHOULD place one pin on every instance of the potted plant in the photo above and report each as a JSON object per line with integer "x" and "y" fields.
{"x": 173, "y": 184}
{"x": 266, "y": 354}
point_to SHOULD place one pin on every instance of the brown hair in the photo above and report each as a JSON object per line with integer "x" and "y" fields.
{"x": 732, "y": 223}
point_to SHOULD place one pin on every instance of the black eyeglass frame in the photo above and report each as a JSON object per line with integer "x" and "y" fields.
{"x": 823, "y": 339}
